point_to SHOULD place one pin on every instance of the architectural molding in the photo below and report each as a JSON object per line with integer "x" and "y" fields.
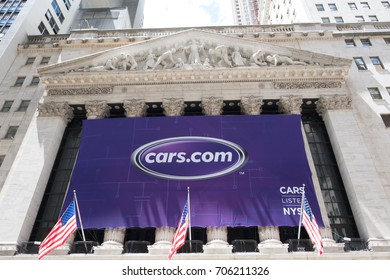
{"x": 290, "y": 104}
{"x": 333, "y": 102}
{"x": 134, "y": 107}
{"x": 97, "y": 109}
{"x": 80, "y": 91}
{"x": 173, "y": 106}
{"x": 251, "y": 105}
{"x": 212, "y": 106}
{"x": 56, "y": 109}
{"x": 307, "y": 85}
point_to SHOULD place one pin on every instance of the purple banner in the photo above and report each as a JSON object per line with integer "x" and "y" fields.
{"x": 241, "y": 171}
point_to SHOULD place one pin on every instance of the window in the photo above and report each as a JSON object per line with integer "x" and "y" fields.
{"x": 52, "y": 22}
{"x": 360, "y": 63}
{"x": 42, "y": 28}
{"x": 388, "y": 90}
{"x": 339, "y": 19}
{"x": 11, "y": 132}
{"x": 67, "y": 4}
{"x": 376, "y": 62}
{"x": 34, "y": 81}
{"x": 23, "y": 105}
{"x": 332, "y": 7}
{"x": 352, "y": 6}
{"x": 45, "y": 60}
{"x": 387, "y": 41}
{"x": 386, "y": 119}
{"x": 58, "y": 11}
{"x": 350, "y": 42}
{"x": 19, "y": 81}
{"x": 365, "y": 5}
{"x": 2, "y": 157}
{"x": 320, "y": 7}
{"x": 30, "y": 60}
{"x": 365, "y": 42}
{"x": 375, "y": 93}
{"x": 325, "y": 20}
{"x": 373, "y": 18}
{"x": 386, "y": 4}
{"x": 7, "y": 106}
{"x": 359, "y": 18}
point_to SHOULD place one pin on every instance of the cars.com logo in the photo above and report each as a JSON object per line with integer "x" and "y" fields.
{"x": 189, "y": 158}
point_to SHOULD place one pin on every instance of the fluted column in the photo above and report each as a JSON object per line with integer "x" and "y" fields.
{"x": 22, "y": 192}
{"x": 270, "y": 241}
{"x": 251, "y": 105}
{"x": 358, "y": 169}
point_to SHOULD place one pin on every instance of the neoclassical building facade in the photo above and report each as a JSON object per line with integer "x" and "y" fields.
{"x": 199, "y": 72}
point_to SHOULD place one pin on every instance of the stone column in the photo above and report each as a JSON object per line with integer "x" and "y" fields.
{"x": 164, "y": 235}
{"x": 251, "y": 105}
{"x": 216, "y": 236}
{"x": 97, "y": 110}
{"x": 270, "y": 241}
{"x": 358, "y": 170}
{"x": 134, "y": 108}
{"x": 22, "y": 192}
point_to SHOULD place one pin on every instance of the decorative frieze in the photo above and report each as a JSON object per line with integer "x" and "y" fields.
{"x": 333, "y": 102}
{"x": 290, "y": 104}
{"x": 135, "y": 108}
{"x": 251, "y": 105}
{"x": 56, "y": 109}
{"x": 307, "y": 85}
{"x": 173, "y": 106}
{"x": 97, "y": 109}
{"x": 80, "y": 91}
{"x": 212, "y": 106}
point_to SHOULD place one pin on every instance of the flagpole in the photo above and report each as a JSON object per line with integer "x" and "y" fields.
{"x": 301, "y": 215}
{"x": 189, "y": 217}
{"x": 81, "y": 223}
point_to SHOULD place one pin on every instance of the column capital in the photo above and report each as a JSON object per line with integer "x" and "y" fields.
{"x": 97, "y": 109}
{"x": 290, "y": 104}
{"x": 56, "y": 109}
{"x": 251, "y": 105}
{"x": 173, "y": 106}
{"x": 134, "y": 108}
{"x": 212, "y": 106}
{"x": 333, "y": 102}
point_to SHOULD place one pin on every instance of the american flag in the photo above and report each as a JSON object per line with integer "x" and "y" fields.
{"x": 181, "y": 232}
{"x": 61, "y": 231}
{"x": 310, "y": 224}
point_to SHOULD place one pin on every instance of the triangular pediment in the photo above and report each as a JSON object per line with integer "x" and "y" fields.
{"x": 196, "y": 51}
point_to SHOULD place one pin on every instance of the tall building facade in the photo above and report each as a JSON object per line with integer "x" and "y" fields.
{"x": 321, "y": 74}
{"x": 246, "y": 12}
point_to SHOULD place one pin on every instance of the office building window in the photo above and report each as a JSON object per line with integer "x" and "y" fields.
{"x": 361, "y": 65}
{"x": 19, "y": 81}
{"x": 58, "y": 11}
{"x": 11, "y": 132}
{"x": 359, "y": 18}
{"x": 325, "y": 20}
{"x": 30, "y": 60}
{"x": 52, "y": 22}
{"x": 67, "y": 4}
{"x": 45, "y": 60}
{"x": 339, "y": 19}
{"x": 373, "y": 18}
{"x": 387, "y": 41}
{"x": 24, "y": 105}
{"x": 352, "y": 6}
{"x": 42, "y": 28}
{"x": 350, "y": 42}
{"x": 332, "y": 7}
{"x": 375, "y": 93}
{"x": 377, "y": 62}
{"x": 34, "y": 81}
{"x": 388, "y": 90}
{"x": 365, "y": 5}
{"x": 320, "y": 7}
{"x": 365, "y": 42}
{"x": 386, "y": 4}
{"x": 2, "y": 157}
{"x": 7, "y": 106}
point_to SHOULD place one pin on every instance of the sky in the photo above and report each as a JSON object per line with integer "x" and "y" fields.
{"x": 187, "y": 13}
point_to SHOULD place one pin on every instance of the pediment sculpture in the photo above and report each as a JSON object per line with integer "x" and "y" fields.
{"x": 194, "y": 55}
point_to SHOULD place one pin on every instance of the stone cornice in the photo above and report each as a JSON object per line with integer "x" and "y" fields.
{"x": 284, "y": 77}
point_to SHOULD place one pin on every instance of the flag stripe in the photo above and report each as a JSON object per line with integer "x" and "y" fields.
{"x": 311, "y": 226}
{"x": 181, "y": 232}
{"x": 61, "y": 231}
